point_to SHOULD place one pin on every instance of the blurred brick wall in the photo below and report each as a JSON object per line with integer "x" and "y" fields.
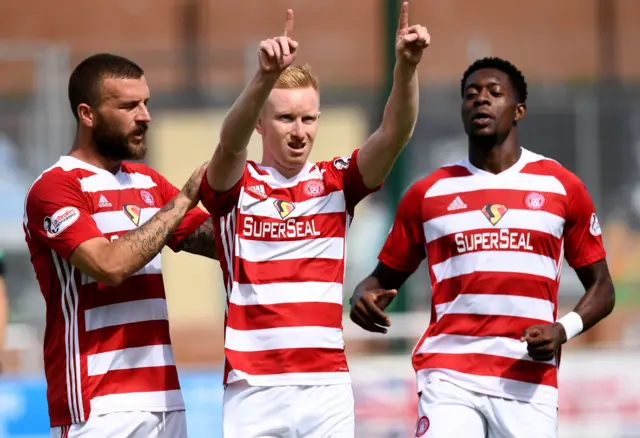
{"x": 549, "y": 39}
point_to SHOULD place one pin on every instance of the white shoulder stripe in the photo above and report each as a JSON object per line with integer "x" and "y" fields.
{"x": 517, "y": 181}
{"x": 277, "y": 181}
{"x": 120, "y": 181}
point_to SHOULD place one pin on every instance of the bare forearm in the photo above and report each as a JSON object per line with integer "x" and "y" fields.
{"x": 378, "y": 154}
{"x": 226, "y": 167}
{"x": 596, "y": 304}
{"x": 139, "y": 246}
{"x": 241, "y": 119}
{"x": 201, "y": 241}
{"x": 401, "y": 110}
{"x": 382, "y": 277}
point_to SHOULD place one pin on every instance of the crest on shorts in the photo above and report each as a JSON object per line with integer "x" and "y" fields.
{"x": 132, "y": 212}
{"x": 422, "y": 426}
{"x": 284, "y": 208}
{"x": 494, "y": 212}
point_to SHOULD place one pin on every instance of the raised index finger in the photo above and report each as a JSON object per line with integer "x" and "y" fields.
{"x": 403, "y": 21}
{"x": 288, "y": 24}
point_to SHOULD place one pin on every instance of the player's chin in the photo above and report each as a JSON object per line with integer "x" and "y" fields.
{"x": 484, "y": 131}
{"x": 297, "y": 156}
{"x": 137, "y": 149}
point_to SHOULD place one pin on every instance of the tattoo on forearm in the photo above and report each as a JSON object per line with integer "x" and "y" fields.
{"x": 149, "y": 239}
{"x": 201, "y": 241}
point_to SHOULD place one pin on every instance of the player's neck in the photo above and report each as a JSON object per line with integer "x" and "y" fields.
{"x": 87, "y": 152}
{"x": 494, "y": 157}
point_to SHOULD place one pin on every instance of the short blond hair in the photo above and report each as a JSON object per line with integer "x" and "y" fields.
{"x": 298, "y": 77}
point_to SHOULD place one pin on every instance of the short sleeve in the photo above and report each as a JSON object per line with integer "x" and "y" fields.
{"x": 58, "y": 215}
{"x": 582, "y": 233}
{"x": 354, "y": 188}
{"x": 219, "y": 204}
{"x": 192, "y": 220}
{"x": 404, "y": 248}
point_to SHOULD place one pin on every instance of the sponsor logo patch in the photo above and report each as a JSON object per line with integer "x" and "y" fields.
{"x": 60, "y": 220}
{"x": 342, "y": 162}
{"x": 284, "y": 208}
{"x": 494, "y": 212}
{"x": 594, "y": 225}
{"x": 132, "y": 212}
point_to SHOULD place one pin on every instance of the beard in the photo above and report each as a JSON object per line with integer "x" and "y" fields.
{"x": 117, "y": 145}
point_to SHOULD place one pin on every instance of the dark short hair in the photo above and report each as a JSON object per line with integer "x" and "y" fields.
{"x": 515, "y": 76}
{"x": 86, "y": 78}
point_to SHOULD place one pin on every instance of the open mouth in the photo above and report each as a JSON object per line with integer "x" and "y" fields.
{"x": 296, "y": 145}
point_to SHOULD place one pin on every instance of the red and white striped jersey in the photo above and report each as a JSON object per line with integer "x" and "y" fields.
{"x": 106, "y": 349}
{"x": 494, "y": 246}
{"x": 282, "y": 249}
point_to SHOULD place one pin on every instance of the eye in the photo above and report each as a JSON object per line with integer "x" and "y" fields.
{"x": 286, "y": 118}
{"x": 309, "y": 119}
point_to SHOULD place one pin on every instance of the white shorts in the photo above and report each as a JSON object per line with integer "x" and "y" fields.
{"x": 446, "y": 410}
{"x": 127, "y": 425}
{"x": 288, "y": 411}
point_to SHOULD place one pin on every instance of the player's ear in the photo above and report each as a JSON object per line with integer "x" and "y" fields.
{"x": 260, "y": 126}
{"x": 86, "y": 115}
{"x": 521, "y": 110}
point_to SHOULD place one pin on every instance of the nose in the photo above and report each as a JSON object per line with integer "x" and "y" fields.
{"x": 296, "y": 129}
{"x": 482, "y": 97}
{"x": 143, "y": 114}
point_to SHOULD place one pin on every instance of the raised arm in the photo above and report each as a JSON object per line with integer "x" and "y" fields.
{"x": 227, "y": 165}
{"x": 380, "y": 151}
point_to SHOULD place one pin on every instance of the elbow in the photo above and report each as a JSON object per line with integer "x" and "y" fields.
{"x": 611, "y": 300}
{"x": 112, "y": 279}
{"x": 395, "y": 136}
{"x": 112, "y": 275}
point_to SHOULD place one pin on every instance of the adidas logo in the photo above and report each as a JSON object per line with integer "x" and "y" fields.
{"x": 257, "y": 190}
{"x": 457, "y": 204}
{"x": 104, "y": 202}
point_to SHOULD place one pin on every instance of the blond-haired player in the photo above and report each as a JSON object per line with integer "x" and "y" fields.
{"x": 281, "y": 229}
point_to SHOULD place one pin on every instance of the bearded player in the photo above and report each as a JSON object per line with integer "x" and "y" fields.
{"x": 95, "y": 225}
{"x": 494, "y": 228}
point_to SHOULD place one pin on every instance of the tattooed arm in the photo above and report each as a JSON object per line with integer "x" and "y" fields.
{"x": 201, "y": 241}
{"x": 113, "y": 262}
